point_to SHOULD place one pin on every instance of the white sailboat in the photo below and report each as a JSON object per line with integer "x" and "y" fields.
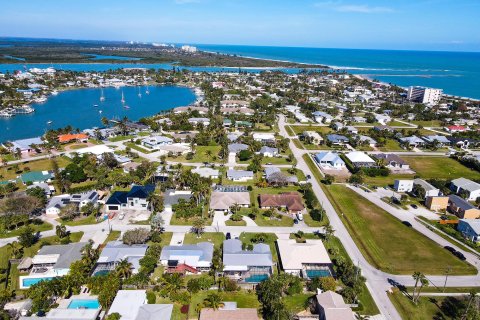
{"x": 139, "y": 93}
{"x": 147, "y": 91}
{"x": 123, "y": 98}
{"x": 102, "y": 97}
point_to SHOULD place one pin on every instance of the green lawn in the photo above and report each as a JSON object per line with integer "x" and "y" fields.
{"x": 200, "y": 155}
{"x": 426, "y": 309}
{"x": 138, "y": 147}
{"x": 120, "y": 138}
{"x": 214, "y": 237}
{"x": 241, "y": 223}
{"x": 7, "y": 173}
{"x": 388, "y": 244}
{"x": 297, "y": 302}
{"x": 80, "y": 222}
{"x": 31, "y": 251}
{"x": 391, "y": 145}
{"x": 43, "y": 226}
{"x": 112, "y": 236}
{"x": 429, "y": 167}
{"x": 433, "y": 123}
{"x": 274, "y": 222}
{"x": 318, "y": 128}
{"x": 385, "y": 181}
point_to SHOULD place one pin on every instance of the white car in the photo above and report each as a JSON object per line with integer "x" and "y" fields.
{"x": 300, "y": 216}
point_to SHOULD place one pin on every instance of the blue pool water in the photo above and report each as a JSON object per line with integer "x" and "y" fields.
{"x": 28, "y": 282}
{"x": 257, "y": 278}
{"x": 318, "y": 273}
{"x": 101, "y": 273}
{"x": 84, "y": 304}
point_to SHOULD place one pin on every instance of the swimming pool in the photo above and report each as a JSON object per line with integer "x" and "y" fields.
{"x": 318, "y": 273}
{"x": 101, "y": 273}
{"x": 28, "y": 282}
{"x": 257, "y": 278}
{"x": 84, "y": 304}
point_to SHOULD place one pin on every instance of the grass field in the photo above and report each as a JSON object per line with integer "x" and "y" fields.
{"x": 7, "y": 173}
{"x": 385, "y": 181}
{"x": 391, "y": 145}
{"x": 43, "y": 226}
{"x": 426, "y": 309}
{"x": 80, "y": 222}
{"x": 214, "y": 237}
{"x": 440, "y": 168}
{"x": 388, "y": 244}
{"x": 319, "y": 129}
{"x": 200, "y": 154}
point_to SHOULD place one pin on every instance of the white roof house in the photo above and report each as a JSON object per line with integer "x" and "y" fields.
{"x": 97, "y": 150}
{"x": 361, "y": 159}
{"x": 194, "y": 255}
{"x": 206, "y": 172}
{"x": 471, "y": 187}
{"x": 154, "y": 142}
{"x": 329, "y": 159}
{"x": 132, "y": 305}
{"x": 223, "y": 201}
{"x": 263, "y": 137}
{"x": 331, "y": 306}
{"x": 296, "y": 257}
{"x": 239, "y": 175}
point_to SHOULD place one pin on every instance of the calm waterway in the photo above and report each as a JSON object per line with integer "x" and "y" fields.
{"x": 76, "y": 108}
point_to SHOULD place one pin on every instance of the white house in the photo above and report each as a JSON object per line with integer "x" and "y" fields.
{"x": 206, "y": 172}
{"x": 430, "y": 191}
{"x": 264, "y": 137}
{"x": 403, "y": 185}
{"x": 239, "y": 175}
{"x": 156, "y": 141}
{"x": 329, "y": 159}
{"x": 268, "y": 152}
{"x": 313, "y": 137}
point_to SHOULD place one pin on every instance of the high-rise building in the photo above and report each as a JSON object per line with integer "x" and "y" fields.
{"x": 424, "y": 95}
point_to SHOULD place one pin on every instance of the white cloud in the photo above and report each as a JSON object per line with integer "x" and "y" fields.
{"x": 355, "y": 8}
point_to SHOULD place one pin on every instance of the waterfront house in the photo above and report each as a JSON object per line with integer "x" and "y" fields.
{"x": 224, "y": 201}
{"x": 135, "y": 199}
{"x": 132, "y": 305}
{"x": 462, "y": 185}
{"x": 26, "y": 145}
{"x": 470, "y": 229}
{"x": 66, "y": 138}
{"x": 330, "y": 160}
{"x": 251, "y": 266}
{"x": 291, "y": 201}
{"x": 307, "y": 259}
{"x": 116, "y": 251}
{"x": 239, "y": 175}
{"x": 462, "y": 208}
{"x": 187, "y": 259}
{"x": 51, "y": 261}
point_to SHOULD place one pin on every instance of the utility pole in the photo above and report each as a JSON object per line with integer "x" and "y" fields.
{"x": 447, "y": 272}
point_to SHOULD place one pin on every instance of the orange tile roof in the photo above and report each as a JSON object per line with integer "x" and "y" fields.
{"x": 70, "y": 137}
{"x": 291, "y": 200}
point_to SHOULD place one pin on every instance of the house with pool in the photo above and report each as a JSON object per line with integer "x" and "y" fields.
{"x": 307, "y": 259}
{"x": 114, "y": 252}
{"x": 248, "y": 266}
{"x": 132, "y": 305}
{"x": 78, "y": 307}
{"x": 50, "y": 262}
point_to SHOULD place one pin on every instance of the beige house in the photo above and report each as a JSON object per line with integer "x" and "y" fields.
{"x": 436, "y": 203}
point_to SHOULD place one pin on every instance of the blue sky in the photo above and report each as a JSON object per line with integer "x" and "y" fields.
{"x": 379, "y": 24}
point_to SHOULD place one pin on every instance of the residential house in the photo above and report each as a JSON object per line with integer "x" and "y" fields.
{"x": 63, "y": 312}
{"x": 268, "y": 152}
{"x": 370, "y": 141}
{"x": 51, "y": 261}
{"x": 132, "y": 305}
{"x": 36, "y": 177}
{"x": 203, "y": 121}
{"x": 239, "y": 175}
{"x": 412, "y": 141}
{"x": 329, "y": 159}
{"x": 25, "y": 145}
{"x": 436, "y": 203}
{"x": 206, "y": 172}
{"x": 462, "y": 208}
{"x": 154, "y": 142}
{"x": 184, "y": 136}
{"x": 201, "y": 110}
{"x": 237, "y": 147}
{"x": 292, "y": 201}
{"x": 47, "y": 189}
{"x": 116, "y": 251}
{"x": 191, "y": 258}
{"x": 308, "y": 260}
{"x": 275, "y": 176}
{"x": 463, "y": 185}
{"x": 78, "y": 137}
{"x": 265, "y": 138}
{"x": 352, "y": 130}
{"x": 455, "y": 128}
{"x": 360, "y": 159}
{"x": 55, "y": 204}
{"x": 383, "y": 119}
{"x": 440, "y": 140}
{"x": 135, "y": 199}
{"x": 224, "y": 201}
{"x": 312, "y": 137}
{"x": 172, "y": 197}
{"x": 322, "y": 117}
{"x": 229, "y": 311}
{"x": 331, "y": 306}
{"x": 430, "y": 191}
{"x": 250, "y": 266}
{"x": 338, "y": 126}
{"x": 403, "y": 185}
{"x": 337, "y": 139}
{"x": 470, "y": 229}
{"x": 392, "y": 161}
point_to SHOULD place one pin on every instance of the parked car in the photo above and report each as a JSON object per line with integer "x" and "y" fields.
{"x": 228, "y": 236}
{"x": 452, "y": 250}
{"x": 295, "y": 221}
{"x": 414, "y": 206}
{"x": 408, "y": 224}
{"x": 121, "y": 216}
{"x": 300, "y": 216}
{"x": 459, "y": 255}
{"x": 308, "y": 177}
{"x": 269, "y": 163}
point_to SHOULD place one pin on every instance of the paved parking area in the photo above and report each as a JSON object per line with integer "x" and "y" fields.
{"x": 177, "y": 238}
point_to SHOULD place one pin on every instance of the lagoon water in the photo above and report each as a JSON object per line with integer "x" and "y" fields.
{"x": 76, "y": 108}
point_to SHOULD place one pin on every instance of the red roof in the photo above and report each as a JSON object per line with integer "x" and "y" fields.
{"x": 182, "y": 268}
{"x": 70, "y": 137}
{"x": 456, "y": 128}
{"x": 291, "y": 200}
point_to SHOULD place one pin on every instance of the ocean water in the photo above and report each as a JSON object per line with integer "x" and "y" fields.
{"x": 457, "y": 73}
{"x": 98, "y": 57}
{"x": 76, "y": 108}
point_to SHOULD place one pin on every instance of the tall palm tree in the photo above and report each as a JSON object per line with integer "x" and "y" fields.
{"x": 124, "y": 269}
{"x": 423, "y": 283}
{"x": 416, "y": 276}
{"x": 61, "y": 231}
{"x": 198, "y": 225}
{"x": 88, "y": 252}
{"x": 16, "y": 249}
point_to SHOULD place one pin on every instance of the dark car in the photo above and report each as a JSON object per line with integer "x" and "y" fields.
{"x": 444, "y": 217}
{"x": 309, "y": 177}
{"x": 460, "y": 255}
{"x": 408, "y": 224}
{"x": 414, "y": 206}
{"x": 228, "y": 236}
{"x": 452, "y": 250}
{"x": 295, "y": 221}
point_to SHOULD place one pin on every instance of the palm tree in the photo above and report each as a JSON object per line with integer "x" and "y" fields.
{"x": 424, "y": 283}
{"x": 198, "y": 225}
{"x": 16, "y": 249}
{"x": 88, "y": 252}
{"x": 472, "y": 296}
{"x": 124, "y": 269}
{"x": 61, "y": 231}
{"x": 329, "y": 231}
{"x": 416, "y": 276}
{"x": 214, "y": 301}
